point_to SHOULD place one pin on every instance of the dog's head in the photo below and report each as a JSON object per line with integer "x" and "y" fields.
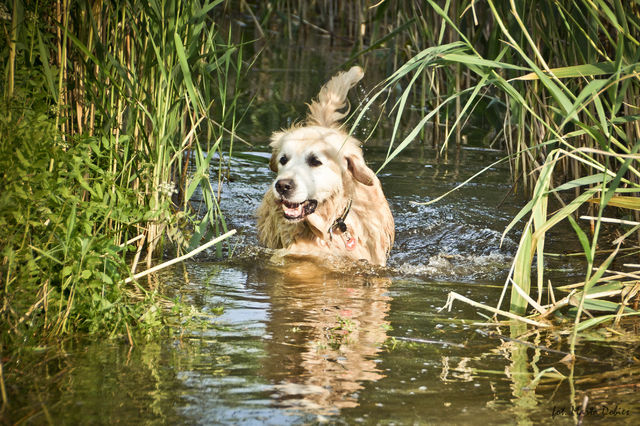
{"x": 315, "y": 164}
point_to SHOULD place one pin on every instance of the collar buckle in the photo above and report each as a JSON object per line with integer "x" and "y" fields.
{"x": 339, "y": 224}
{"x": 341, "y": 227}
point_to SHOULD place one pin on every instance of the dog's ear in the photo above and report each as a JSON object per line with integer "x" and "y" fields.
{"x": 276, "y": 143}
{"x": 273, "y": 162}
{"x": 359, "y": 170}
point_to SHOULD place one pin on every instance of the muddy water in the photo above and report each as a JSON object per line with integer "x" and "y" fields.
{"x": 295, "y": 343}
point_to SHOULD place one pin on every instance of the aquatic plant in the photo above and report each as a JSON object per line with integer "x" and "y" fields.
{"x": 556, "y": 85}
{"x": 571, "y": 124}
{"x": 114, "y": 113}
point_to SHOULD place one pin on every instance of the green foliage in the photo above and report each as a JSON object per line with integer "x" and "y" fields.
{"x": 108, "y": 106}
{"x": 566, "y": 80}
{"x": 60, "y": 267}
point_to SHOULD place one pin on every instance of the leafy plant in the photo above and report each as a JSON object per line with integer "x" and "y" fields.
{"x": 567, "y": 76}
{"x": 108, "y": 105}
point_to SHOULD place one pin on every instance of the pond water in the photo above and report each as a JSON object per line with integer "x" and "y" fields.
{"x": 283, "y": 345}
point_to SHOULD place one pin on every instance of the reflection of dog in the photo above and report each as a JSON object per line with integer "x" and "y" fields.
{"x": 325, "y": 331}
{"x": 325, "y": 200}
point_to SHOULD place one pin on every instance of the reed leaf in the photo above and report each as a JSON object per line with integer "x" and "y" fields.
{"x": 582, "y": 237}
{"x": 584, "y": 181}
{"x": 186, "y": 73}
{"x": 135, "y": 89}
{"x": 46, "y": 68}
{"x": 475, "y": 60}
{"x": 592, "y": 322}
{"x": 522, "y": 271}
{"x": 625, "y": 202}
{"x": 575, "y": 105}
{"x": 565, "y": 211}
{"x": 604, "y": 306}
{"x": 577, "y": 71}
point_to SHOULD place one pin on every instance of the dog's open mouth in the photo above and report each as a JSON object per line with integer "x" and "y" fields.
{"x": 298, "y": 211}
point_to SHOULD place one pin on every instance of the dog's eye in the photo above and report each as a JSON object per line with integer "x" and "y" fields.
{"x": 283, "y": 160}
{"x": 313, "y": 161}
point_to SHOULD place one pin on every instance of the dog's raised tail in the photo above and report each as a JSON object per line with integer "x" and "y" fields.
{"x": 333, "y": 97}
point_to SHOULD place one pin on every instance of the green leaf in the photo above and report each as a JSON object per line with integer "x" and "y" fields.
{"x": 621, "y": 201}
{"x": 599, "y": 320}
{"x": 601, "y": 305}
{"x": 206, "y": 8}
{"x": 540, "y": 191}
{"x": 619, "y": 175}
{"x": 48, "y": 74}
{"x": 105, "y": 278}
{"x": 414, "y": 132}
{"x": 576, "y": 71}
{"x": 586, "y": 180}
{"x": 522, "y": 272}
{"x": 67, "y": 270}
{"x": 602, "y": 288}
{"x": 475, "y": 60}
{"x": 584, "y": 240}
{"x": 611, "y": 17}
{"x": 601, "y": 115}
{"x": 556, "y": 92}
{"x": 186, "y": 73}
{"x": 565, "y": 211}
{"x": 401, "y": 104}
{"x": 590, "y": 90}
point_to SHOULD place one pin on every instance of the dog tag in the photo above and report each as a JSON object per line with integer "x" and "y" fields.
{"x": 349, "y": 241}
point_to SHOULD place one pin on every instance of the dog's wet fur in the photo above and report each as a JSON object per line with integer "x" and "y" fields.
{"x": 321, "y": 178}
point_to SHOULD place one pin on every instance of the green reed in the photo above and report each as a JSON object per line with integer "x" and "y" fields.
{"x": 115, "y": 114}
{"x": 567, "y": 76}
{"x": 555, "y": 84}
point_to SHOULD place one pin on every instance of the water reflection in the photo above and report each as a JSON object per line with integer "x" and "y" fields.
{"x": 325, "y": 329}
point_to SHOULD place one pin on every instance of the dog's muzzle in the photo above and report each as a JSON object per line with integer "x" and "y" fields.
{"x": 298, "y": 211}
{"x": 293, "y": 211}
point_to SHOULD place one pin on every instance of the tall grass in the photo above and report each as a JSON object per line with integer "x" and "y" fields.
{"x": 558, "y": 81}
{"x": 567, "y": 76}
{"x": 383, "y": 36}
{"x": 114, "y": 115}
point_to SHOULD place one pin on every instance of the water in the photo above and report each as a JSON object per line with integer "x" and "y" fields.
{"x": 296, "y": 343}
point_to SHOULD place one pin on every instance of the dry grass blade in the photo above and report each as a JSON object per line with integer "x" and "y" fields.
{"x": 455, "y": 296}
{"x": 181, "y": 258}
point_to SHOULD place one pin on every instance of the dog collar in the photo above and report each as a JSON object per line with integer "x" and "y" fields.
{"x": 341, "y": 227}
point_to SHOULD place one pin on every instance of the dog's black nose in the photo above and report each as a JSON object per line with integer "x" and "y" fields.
{"x": 285, "y": 186}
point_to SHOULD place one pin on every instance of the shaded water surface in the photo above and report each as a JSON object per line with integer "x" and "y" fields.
{"x": 294, "y": 343}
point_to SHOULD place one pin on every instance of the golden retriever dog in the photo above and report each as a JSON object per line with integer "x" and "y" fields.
{"x": 325, "y": 201}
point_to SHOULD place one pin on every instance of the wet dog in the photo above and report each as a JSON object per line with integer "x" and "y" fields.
{"x": 325, "y": 201}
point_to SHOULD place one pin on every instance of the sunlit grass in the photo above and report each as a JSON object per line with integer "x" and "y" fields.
{"x": 117, "y": 113}
{"x": 567, "y": 77}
